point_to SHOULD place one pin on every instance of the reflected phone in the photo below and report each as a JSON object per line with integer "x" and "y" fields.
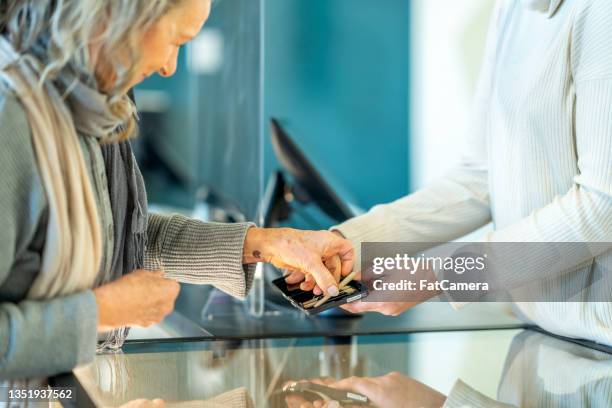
{"x": 312, "y": 391}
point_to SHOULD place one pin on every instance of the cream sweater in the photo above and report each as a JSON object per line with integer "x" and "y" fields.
{"x": 538, "y": 159}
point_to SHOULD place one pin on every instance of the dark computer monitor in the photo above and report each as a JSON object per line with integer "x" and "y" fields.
{"x": 306, "y": 186}
{"x": 305, "y": 176}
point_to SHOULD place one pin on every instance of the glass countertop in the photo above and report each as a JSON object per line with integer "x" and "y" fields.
{"x": 223, "y": 317}
{"x": 517, "y": 366}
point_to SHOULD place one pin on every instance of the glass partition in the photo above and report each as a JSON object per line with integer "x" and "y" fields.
{"x": 201, "y": 130}
{"x": 335, "y": 75}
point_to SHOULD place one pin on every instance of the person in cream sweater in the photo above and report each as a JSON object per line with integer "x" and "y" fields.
{"x": 538, "y": 159}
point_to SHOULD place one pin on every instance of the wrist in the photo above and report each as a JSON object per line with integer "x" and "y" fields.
{"x": 101, "y": 302}
{"x": 338, "y": 233}
{"x": 259, "y": 245}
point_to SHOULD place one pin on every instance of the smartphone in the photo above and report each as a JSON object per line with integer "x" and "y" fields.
{"x": 312, "y": 392}
{"x": 304, "y": 300}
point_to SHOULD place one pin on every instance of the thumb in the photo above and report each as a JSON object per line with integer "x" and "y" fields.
{"x": 355, "y": 307}
{"x": 355, "y": 384}
{"x": 324, "y": 278}
{"x": 334, "y": 265}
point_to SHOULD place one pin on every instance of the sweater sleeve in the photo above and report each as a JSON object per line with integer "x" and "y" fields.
{"x": 37, "y": 338}
{"x": 192, "y": 251}
{"x": 44, "y": 338}
{"x": 453, "y": 206}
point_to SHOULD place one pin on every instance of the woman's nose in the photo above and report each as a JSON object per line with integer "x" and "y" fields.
{"x": 170, "y": 67}
{"x": 168, "y": 70}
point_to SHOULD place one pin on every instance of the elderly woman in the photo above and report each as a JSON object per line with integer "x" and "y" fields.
{"x": 79, "y": 255}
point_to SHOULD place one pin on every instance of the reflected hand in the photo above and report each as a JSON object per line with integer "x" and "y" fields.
{"x": 385, "y": 308}
{"x": 299, "y": 401}
{"x": 145, "y": 403}
{"x": 393, "y": 390}
{"x": 307, "y": 254}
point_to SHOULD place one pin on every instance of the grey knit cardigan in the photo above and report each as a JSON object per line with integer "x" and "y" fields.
{"x": 42, "y": 338}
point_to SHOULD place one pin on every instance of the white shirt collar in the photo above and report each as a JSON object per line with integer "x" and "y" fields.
{"x": 549, "y": 7}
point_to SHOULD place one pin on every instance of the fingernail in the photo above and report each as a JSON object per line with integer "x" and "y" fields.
{"x": 333, "y": 404}
{"x": 332, "y": 290}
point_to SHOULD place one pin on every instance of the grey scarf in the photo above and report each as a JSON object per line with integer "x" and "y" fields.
{"x": 125, "y": 186}
{"x": 91, "y": 116}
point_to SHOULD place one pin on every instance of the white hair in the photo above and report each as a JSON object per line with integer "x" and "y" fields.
{"x": 62, "y": 33}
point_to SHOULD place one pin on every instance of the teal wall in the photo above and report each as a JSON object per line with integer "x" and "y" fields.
{"x": 210, "y": 134}
{"x": 337, "y": 75}
{"x": 336, "y": 72}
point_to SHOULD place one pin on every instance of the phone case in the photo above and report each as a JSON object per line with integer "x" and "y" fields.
{"x": 298, "y": 297}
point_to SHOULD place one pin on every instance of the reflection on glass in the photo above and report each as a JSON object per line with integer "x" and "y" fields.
{"x": 538, "y": 371}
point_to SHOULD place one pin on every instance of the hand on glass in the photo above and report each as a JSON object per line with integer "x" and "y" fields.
{"x": 307, "y": 255}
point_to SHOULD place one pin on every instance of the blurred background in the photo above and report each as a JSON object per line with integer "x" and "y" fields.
{"x": 371, "y": 98}
{"x": 376, "y": 97}
{"x": 304, "y": 113}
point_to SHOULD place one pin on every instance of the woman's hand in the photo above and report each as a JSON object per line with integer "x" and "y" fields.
{"x": 392, "y": 304}
{"x": 140, "y": 298}
{"x": 305, "y": 252}
{"x": 393, "y": 390}
{"x": 145, "y": 403}
{"x": 384, "y": 308}
{"x": 307, "y": 281}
